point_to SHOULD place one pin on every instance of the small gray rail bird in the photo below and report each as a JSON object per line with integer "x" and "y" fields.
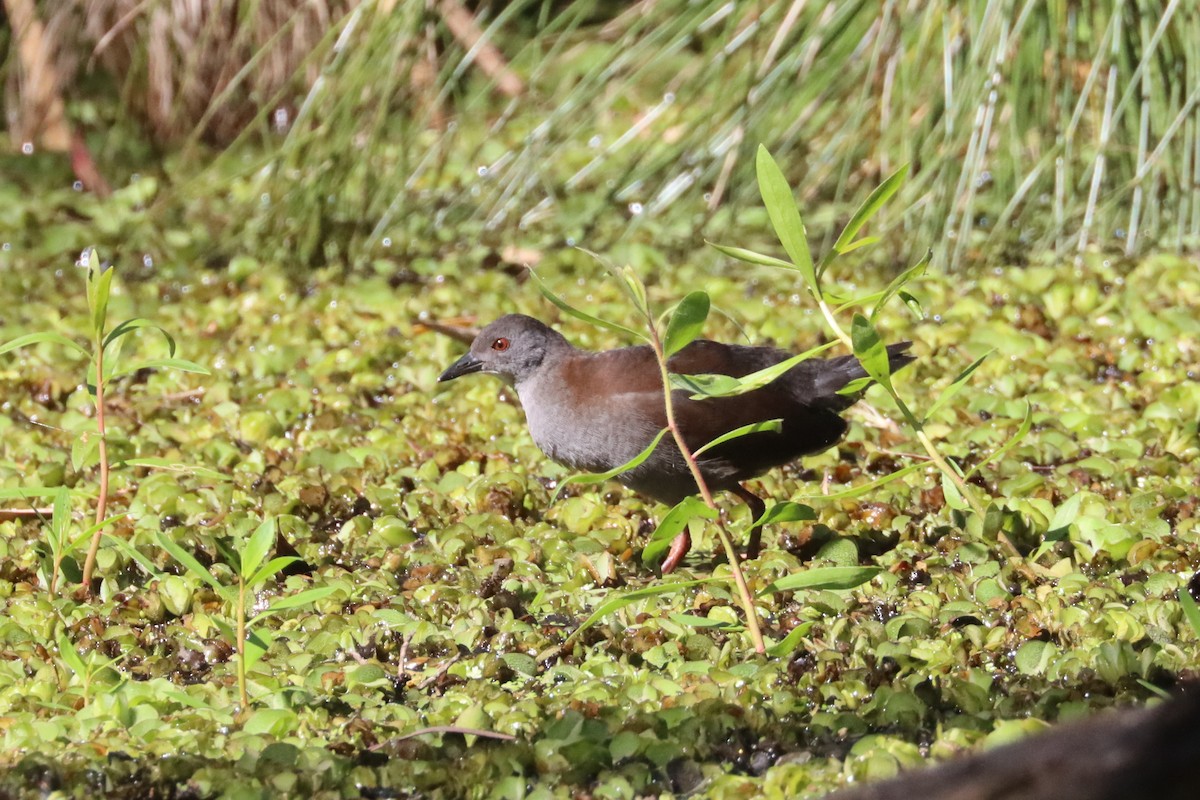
{"x": 594, "y": 411}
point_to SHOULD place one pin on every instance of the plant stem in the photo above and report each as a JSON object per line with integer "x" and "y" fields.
{"x": 241, "y": 643}
{"x": 739, "y": 578}
{"x": 89, "y": 565}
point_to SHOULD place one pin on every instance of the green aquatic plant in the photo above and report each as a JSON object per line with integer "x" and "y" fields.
{"x": 103, "y": 367}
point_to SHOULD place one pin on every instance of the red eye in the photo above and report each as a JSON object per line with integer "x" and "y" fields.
{"x": 500, "y": 344}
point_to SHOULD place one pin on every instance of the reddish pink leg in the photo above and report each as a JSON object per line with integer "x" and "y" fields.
{"x": 679, "y": 549}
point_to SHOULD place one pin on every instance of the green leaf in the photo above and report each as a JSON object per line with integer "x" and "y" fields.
{"x": 257, "y": 644}
{"x": 953, "y": 496}
{"x": 772, "y": 425}
{"x": 255, "y": 548}
{"x": 751, "y": 257}
{"x": 47, "y": 337}
{"x": 270, "y": 569}
{"x": 785, "y": 216}
{"x": 1190, "y": 612}
{"x": 863, "y": 242}
{"x": 85, "y": 451}
{"x": 183, "y": 365}
{"x": 953, "y": 389}
{"x": 870, "y": 207}
{"x": 567, "y": 308}
{"x": 100, "y": 284}
{"x": 193, "y": 566}
{"x": 307, "y": 597}
{"x": 632, "y": 284}
{"x": 786, "y": 511}
{"x": 672, "y": 524}
{"x": 855, "y": 386}
{"x": 135, "y": 555}
{"x": 855, "y": 491}
{"x": 172, "y": 466}
{"x": 786, "y": 645}
{"x": 823, "y": 578}
{"x": 28, "y": 492}
{"x": 70, "y": 656}
{"x": 60, "y": 520}
{"x": 131, "y": 325}
{"x": 914, "y": 305}
{"x": 601, "y": 477}
{"x": 1024, "y": 428}
{"x": 686, "y": 323}
{"x": 899, "y": 282}
{"x": 870, "y": 350}
{"x": 697, "y": 621}
{"x": 618, "y": 601}
{"x": 727, "y": 386}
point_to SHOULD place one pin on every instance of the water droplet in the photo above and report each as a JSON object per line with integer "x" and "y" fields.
{"x": 387, "y": 241}
{"x": 635, "y": 208}
{"x": 6, "y": 246}
{"x": 77, "y": 186}
{"x": 27, "y": 148}
{"x": 280, "y": 118}
{"x": 669, "y": 97}
{"x": 265, "y": 199}
{"x": 482, "y": 171}
{"x": 147, "y": 260}
{"x": 594, "y": 141}
{"x": 570, "y": 241}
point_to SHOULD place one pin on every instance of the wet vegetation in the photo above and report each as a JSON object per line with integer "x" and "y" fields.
{"x": 319, "y": 573}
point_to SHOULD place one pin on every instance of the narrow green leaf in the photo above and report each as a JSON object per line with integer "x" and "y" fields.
{"x": 823, "y": 578}
{"x": 633, "y": 286}
{"x": 1190, "y": 611}
{"x": 190, "y": 563}
{"x": 131, "y": 325}
{"x": 786, "y": 645}
{"x": 70, "y": 656}
{"x": 29, "y": 492}
{"x": 47, "y": 337}
{"x": 180, "y": 364}
{"x": 101, "y": 286}
{"x": 870, "y": 207}
{"x": 60, "y": 520}
{"x": 863, "y": 242}
{"x": 616, "y": 602}
{"x": 255, "y": 548}
{"x": 135, "y": 555}
{"x": 675, "y": 521}
{"x": 751, "y": 257}
{"x": 953, "y": 496}
{"x": 726, "y": 386}
{"x": 601, "y": 477}
{"x": 270, "y": 569}
{"x": 1024, "y": 428}
{"x": 870, "y": 350}
{"x": 856, "y": 491}
{"x": 914, "y": 305}
{"x": 785, "y": 216}
{"x": 172, "y": 466}
{"x": 567, "y": 308}
{"x": 686, "y": 323}
{"x": 855, "y": 386}
{"x": 697, "y": 621}
{"x": 954, "y": 388}
{"x": 772, "y": 425}
{"x": 786, "y": 511}
{"x": 257, "y": 644}
{"x": 899, "y": 282}
{"x": 307, "y": 597}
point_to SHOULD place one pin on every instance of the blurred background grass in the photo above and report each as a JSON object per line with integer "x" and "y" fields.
{"x": 342, "y": 132}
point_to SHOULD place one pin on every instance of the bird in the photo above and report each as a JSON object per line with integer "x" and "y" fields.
{"x": 595, "y": 411}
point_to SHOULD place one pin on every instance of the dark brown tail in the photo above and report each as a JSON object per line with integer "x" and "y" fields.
{"x": 837, "y": 372}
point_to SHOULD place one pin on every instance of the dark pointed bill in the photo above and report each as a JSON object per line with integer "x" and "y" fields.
{"x": 464, "y": 366}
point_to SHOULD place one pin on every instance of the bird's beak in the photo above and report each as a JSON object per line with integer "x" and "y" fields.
{"x": 464, "y": 366}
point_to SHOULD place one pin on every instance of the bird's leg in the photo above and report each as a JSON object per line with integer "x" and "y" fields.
{"x": 757, "y": 509}
{"x": 679, "y": 548}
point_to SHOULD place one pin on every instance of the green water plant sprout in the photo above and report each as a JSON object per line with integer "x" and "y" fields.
{"x": 100, "y": 372}
{"x": 862, "y": 339}
{"x": 252, "y": 573}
